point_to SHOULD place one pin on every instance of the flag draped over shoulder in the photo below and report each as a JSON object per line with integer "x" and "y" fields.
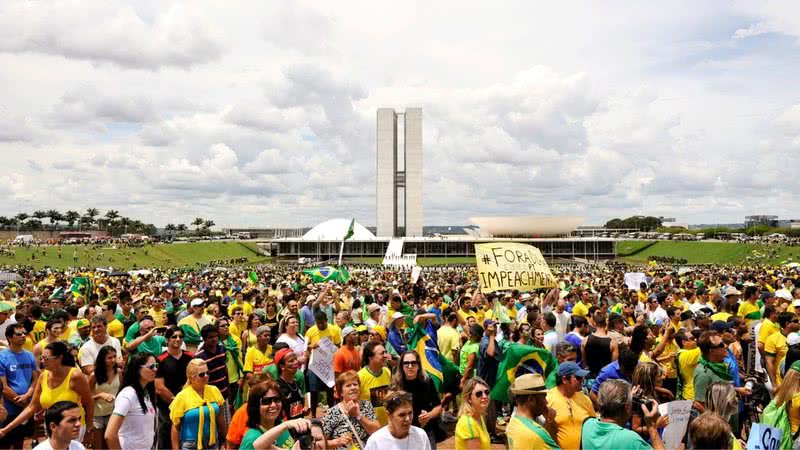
{"x": 81, "y": 286}
{"x": 520, "y": 359}
{"x": 442, "y": 371}
{"x": 328, "y": 273}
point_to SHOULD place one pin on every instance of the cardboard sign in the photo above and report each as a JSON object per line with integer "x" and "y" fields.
{"x": 764, "y": 437}
{"x": 634, "y": 279}
{"x": 678, "y": 412}
{"x": 508, "y": 265}
{"x": 322, "y": 361}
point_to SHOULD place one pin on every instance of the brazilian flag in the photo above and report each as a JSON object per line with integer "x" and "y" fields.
{"x": 80, "y": 286}
{"x": 442, "y": 371}
{"x": 328, "y": 273}
{"x": 520, "y": 359}
{"x": 252, "y": 277}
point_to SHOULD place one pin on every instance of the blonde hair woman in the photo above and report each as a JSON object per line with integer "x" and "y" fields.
{"x": 647, "y": 377}
{"x": 471, "y": 432}
{"x": 721, "y": 400}
{"x": 788, "y": 393}
{"x": 197, "y": 422}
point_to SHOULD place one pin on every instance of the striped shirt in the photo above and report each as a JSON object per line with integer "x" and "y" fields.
{"x": 217, "y": 369}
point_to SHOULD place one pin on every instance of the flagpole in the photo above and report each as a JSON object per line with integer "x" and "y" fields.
{"x": 341, "y": 250}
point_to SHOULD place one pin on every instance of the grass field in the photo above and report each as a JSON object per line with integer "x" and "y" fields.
{"x": 152, "y": 256}
{"x": 706, "y": 252}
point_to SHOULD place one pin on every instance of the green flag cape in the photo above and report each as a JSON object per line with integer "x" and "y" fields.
{"x": 328, "y": 273}
{"x": 252, "y": 277}
{"x": 350, "y": 230}
{"x": 520, "y": 359}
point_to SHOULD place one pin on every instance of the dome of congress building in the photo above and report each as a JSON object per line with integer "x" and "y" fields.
{"x": 335, "y": 229}
{"x": 527, "y": 226}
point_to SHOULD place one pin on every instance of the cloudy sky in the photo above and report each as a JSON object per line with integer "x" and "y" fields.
{"x": 263, "y": 113}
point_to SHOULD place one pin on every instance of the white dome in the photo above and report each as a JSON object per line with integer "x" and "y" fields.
{"x": 527, "y": 225}
{"x": 335, "y": 229}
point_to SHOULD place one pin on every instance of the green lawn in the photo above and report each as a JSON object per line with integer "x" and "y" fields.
{"x": 707, "y": 252}
{"x": 162, "y": 255}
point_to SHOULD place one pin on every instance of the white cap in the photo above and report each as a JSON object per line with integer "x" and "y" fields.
{"x": 793, "y": 339}
{"x": 197, "y": 302}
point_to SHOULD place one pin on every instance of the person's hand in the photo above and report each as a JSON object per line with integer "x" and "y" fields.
{"x": 662, "y": 422}
{"x": 424, "y": 417}
{"x": 345, "y": 440}
{"x": 151, "y": 333}
{"x": 743, "y": 391}
{"x": 352, "y": 408}
{"x": 550, "y": 415}
{"x": 300, "y": 426}
{"x": 105, "y": 396}
{"x": 651, "y": 415}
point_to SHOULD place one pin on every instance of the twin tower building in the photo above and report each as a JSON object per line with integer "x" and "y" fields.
{"x": 399, "y": 173}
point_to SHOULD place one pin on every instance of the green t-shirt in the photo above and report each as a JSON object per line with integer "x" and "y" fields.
{"x": 604, "y": 435}
{"x": 153, "y": 346}
{"x": 468, "y": 349}
{"x": 703, "y": 378}
{"x": 272, "y": 369}
{"x": 285, "y": 440}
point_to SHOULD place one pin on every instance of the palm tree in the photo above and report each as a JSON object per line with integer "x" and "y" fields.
{"x": 125, "y": 222}
{"x": 208, "y": 224}
{"x": 55, "y": 217}
{"x": 91, "y": 213}
{"x": 198, "y": 222}
{"x": 181, "y": 227}
{"x": 33, "y": 224}
{"x": 4, "y": 222}
{"x": 39, "y": 214}
{"x": 71, "y": 217}
{"x": 20, "y": 219}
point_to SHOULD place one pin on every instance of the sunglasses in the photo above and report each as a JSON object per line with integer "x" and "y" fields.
{"x": 177, "y": 336}
{"x": 271, "y": 400}
{"x": 153, "y": 366}
{"x": 481, "y": 393}
{"x": 20, "y": 333}
{"x": 202, "y": 374}
{"x": 410, "y": 363}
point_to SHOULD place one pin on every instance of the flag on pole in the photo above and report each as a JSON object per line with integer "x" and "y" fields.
{"x": 520, "y": 359}
{"x": 328, "y": 273}
{"x": 442, "y": 371}
{"x": 350, "y": 230}
{"x": 252, "y": 277}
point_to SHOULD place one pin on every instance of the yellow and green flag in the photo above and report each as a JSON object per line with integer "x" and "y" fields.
{"x": 519, "y": 359}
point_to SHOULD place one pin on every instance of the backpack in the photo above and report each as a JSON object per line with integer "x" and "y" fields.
{"x": 778, "y": 417}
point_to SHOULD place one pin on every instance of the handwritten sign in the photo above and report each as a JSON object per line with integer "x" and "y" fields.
{"x": 764, "y": 437}
{"x": 415, "y": 273}
{"x": 678, "y": 412}
{"x": 509, "y": 265}
{"x": 322, "y": 361}
{"x": 634, "y": 279}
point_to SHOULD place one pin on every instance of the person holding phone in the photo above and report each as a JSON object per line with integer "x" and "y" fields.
{"x": 151, "y": 339}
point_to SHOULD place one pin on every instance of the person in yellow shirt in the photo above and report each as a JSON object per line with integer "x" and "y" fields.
{"x": 685, "y": 362}
{"x": 776, "y": 347}
{"x": 375, "y": 378}
{"x": 314, "y": 335}
{"x": 789, "y": 392}
{"x": 115, "y": 327}
{"x": 239, "y": 302}
{"x": 767, "y": 328}
{"x": 238, "y": 321}
{"x": 471, "y": 432}
{"x": 465, "y": 311}
{"x": 570, "y": 404}
{"x": 748, "y": 309}
{"x": 530, "y": 395}
{"x": 258, "y": 356}
{"x": 158, "y": 312}
{"x": 449, "y": 339}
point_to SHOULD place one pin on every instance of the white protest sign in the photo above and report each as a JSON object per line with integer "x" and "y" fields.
{"x": 764, "y": 437}
{"x": 322, "y": 361}
{"x": 678, "y": 412}
{"x": 415, "y": 273}
{"x": 634, "y": 279}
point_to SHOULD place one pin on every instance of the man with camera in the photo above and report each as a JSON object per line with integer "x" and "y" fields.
{"x": 617, "y": 401}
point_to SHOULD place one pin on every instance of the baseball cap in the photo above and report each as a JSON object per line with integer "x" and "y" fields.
{"x": 346, "y": 331}
{"x": 793, "y": 339}
{"x": 197, "y": 302}
{"x": 570, "y": 368}
{"x": 530, "y": 383}
{"x": 373, "y": 307}
{"x": 720, "y": 326}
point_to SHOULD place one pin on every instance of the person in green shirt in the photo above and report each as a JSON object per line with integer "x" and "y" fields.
{"x": 616, "y": 407}
{"x": 469, "y": 354}
{"x": 148, "y": 341}
{"x": 263, "y": 410}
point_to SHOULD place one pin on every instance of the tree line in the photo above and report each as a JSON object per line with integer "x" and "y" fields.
{"x": 641, "y": 223}
{"x": 91, "y": 219}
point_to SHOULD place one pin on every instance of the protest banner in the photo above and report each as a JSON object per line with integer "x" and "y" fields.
{"x": 415, "y": 273}
{"x": 509, "y": 265}
{"x": 764, "y": 437}
{"x": 678, "y": 412}
{"x": 634, "y": 279}
{"x": 322, "y": 361}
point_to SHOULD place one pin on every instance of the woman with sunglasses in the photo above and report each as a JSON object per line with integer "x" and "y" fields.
{"x": 409, "y": 376}
{"x": 399, "y": 433}
{"x": 104, "y": 383}
{"x": 132, "y": 424}
{"x": 471, "y": 432}
{"x": 197, "y": 422}
{"x": 271, "y": 320}
{"x": 264, "y": 407}
{"x": 60, "y": 381}
{"x": 351, "y": 421}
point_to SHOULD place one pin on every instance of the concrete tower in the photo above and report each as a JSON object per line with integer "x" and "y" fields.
{"x": 399, "y": 173}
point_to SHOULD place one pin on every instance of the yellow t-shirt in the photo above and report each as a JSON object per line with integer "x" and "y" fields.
{"x": 776, "y": 346}
{"x": 723, "y": 316}
{"x": 449, "y": 341}
{"x": 468, "y": 428}
{"x": 255, "y": 360}
{"x": 465, "y": 314}
{"x": 748, "y": 311}
{"x": 570, "y": 414}
{"x": 794, "y": 412}
{"x": 580, "y": 309}
{"x": 247, "y": 308}
{"x": 688, "y": 360}
{"x": 374, "y": 389}
{"x": 314, "y": 335}
{"x": 116, "y": 329}
{"x": 767, "y": 328}
{"x": 39, "y": 331}
{"x": 521, "y": 435}
{"x": 159, "y": 317}
{"x": 237, "y": 331}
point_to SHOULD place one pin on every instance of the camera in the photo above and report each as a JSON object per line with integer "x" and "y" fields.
{"x": 638, "y": 401}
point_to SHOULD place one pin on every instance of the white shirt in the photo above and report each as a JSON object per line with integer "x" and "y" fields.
{"x": 658, "y": 314}
{"x": 138, "y": 427}
{"x": 562, "y": 323}
{"x": 73, "y": 445}
{"x": 90, "y": 349}
{"x": 383, "y": 440}
{"x": 550, "y": 341}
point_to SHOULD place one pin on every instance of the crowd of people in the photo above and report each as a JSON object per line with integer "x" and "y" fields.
{"x": 210, "y": 359}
